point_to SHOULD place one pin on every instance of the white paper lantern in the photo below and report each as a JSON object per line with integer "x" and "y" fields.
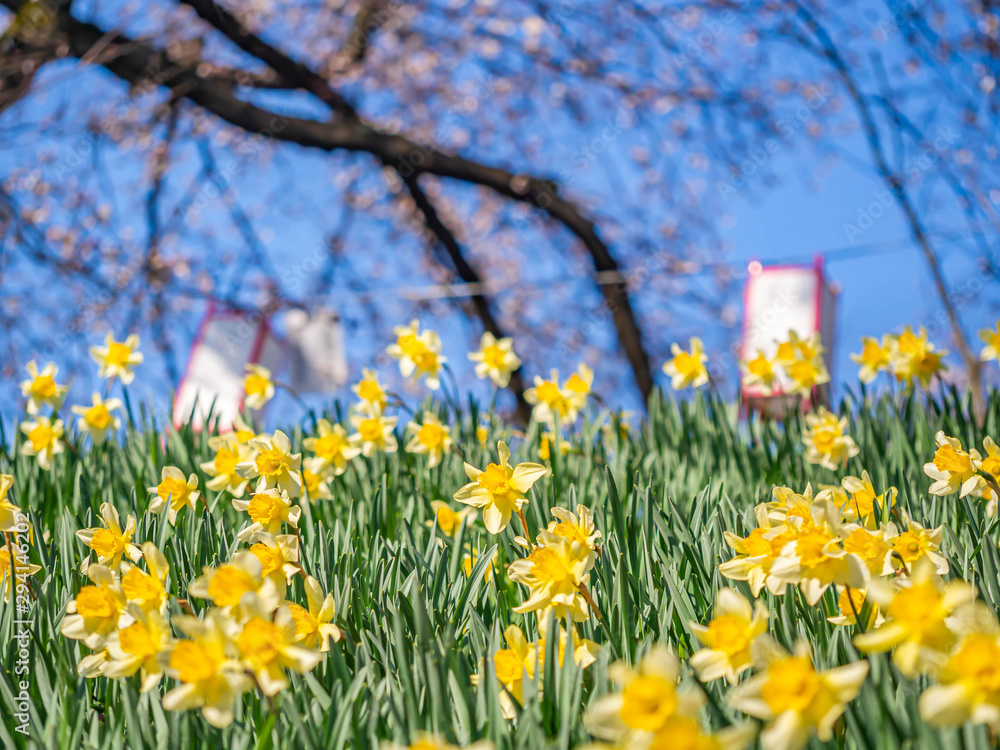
{"x": 779, "y": 299}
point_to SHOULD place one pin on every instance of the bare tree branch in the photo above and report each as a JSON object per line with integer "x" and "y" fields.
{"x": 898, "y": 187}
{"x": 141, "y": 64}
{"x": 469, "y": 275}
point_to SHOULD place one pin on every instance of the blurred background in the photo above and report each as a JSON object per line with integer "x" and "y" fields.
{"x": 589, "y": 177}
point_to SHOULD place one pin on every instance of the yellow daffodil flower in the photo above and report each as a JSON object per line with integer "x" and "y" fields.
{"x": 914, "y": 544}
{"x": 229, "y": 453}
{"x": 953, "y": 469}
{"x": 447, "y": 520}
{"x": 44, "y": 440}
{"x": 555, "y": 574}
{"x": 407, "y": 346}
{"x": 500, "y": 489}
{"x": 243, "y": 431}
{"x": 369, "y": 390}
{"x": 760, "y": 373}
{"x": 11, "y": 516}
{"x": 207, "y": 666}
{"x": 274, "y": 464}
{"x": 794, "y": 697}
{"x": 755, "y": 557}
{"x": 258, "y": 386}
{"x": 916, "y": 609}
{"x": 93, "y": 665}
{"x": 547, "y": 439}
{"x": 806, "y": 375}
{"x": 469, "y": 562}
{"x": 314, "y": 627}
{"x": 278, "y": 555}
{"x": 512, "y": 665}
{"x": 14, "y": 572}
{"x": 969, "y": 688}
{"x": 914, "y": 358}
{"x": 419, "y": 354}
{"x": 332, "y": 445}
{"x": 268, "y": 511}
{"x": 991, "y": 337}
{"x": 316, "y": 476}
{"x": 859, "y": 507}
{"x": 870, "y": 546}
{"x": 850, "y": 603}
{"x": 787, "y": 504}
{"x": 645, "y": 703}
{"x": 873, "y": 358}
{"x": 137, "y": 648}
{"x": 432, "y": 438}
{"x": 41, "y": 388}
{"x": 578, "y": 527}
{"x": 148, "y": 589}
{"x": 117, "y": 358}
{"x": 227, "y": 584}
{"x": 174, "y": 493}
{"x": 549, "y": 400}
{"x": 495, "y": 359}
{"x": 687, "y": 368}
{"x": 429, "y": 362}
{"x": 578, "y": 387}
{"x": 97, "y": 420}
{"x": 815, "y": 560}
{"x": 375, "y": 433}
{"x": 795, "y": 348}
{"x": 267, "y": 647}
{"x": 112, "y": 542}
{"x": 97, "y": 610}
{"x": 827, "y": 443}
{"x": 727, "y": 637}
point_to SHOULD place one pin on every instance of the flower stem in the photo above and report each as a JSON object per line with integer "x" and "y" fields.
{"x": 585, "y": 592}
{"x": 524, "y": 525}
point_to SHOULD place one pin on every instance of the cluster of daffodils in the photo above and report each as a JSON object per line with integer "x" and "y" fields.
{"x": 956, "y": 471}
{"x": 419, "y": 354}
{"x": 650, "y": 709}
{"x": 44, "y": 432}
{"x": 842, "y": 537}
{"x": 249, "y": 636}
{"x": 552, "y": 400}
{"x": 787, "y": 691}
{"x": 826, "y": 440}
{"x": 888, "y": 577}
{"x": 558, "y": 405}
{"x": 555, "y": 572}
{"x": 909, "y": 357}
{"x": 795, "y": 367}
{"x": 939, "y": 629}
